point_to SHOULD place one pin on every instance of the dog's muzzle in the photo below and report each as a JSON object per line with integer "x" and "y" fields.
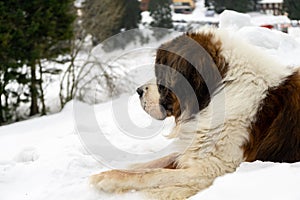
{"x": 149, "y": 97}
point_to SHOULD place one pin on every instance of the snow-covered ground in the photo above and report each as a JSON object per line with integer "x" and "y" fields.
{"x": 50, "y": 157}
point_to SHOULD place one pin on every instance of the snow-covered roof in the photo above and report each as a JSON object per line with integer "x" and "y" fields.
{"x": 270, "y": 1}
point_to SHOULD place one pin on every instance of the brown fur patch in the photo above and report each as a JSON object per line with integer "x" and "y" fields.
{"x": 213, "y": 49}
{"x": 197, "y": 58}
{"x": 175, "y": 107}
{"x": 275, "y": 135}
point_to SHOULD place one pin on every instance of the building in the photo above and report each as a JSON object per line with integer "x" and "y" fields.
{"x": 179, "y": 6}
{"x": 183, "y": 6}
{"x": 272, "y": 7}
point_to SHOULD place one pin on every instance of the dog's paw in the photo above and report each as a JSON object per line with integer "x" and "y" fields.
{"x": 105, "y": 181}
{"x": 111, "y": 181}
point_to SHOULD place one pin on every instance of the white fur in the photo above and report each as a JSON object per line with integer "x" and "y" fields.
{"x": 222, "y": 128}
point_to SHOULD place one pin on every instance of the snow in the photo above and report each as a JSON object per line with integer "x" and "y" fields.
{"x": 270, "y": 19}
{"x": 146, "y": 18}
{"x": 284, "y": 47}
{"x": 197, "y": 15}
{"x": 270, "y": 1}
{"x": 234, "y": 20}
{"x": 48, "y": 157}
{"x": 295, "y": 32}
{"x": 258, "y": 180}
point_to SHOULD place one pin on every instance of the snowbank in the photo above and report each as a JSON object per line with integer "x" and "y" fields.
{"x": 284, "y": 47}
{"x": 45, "y": 158}
{"x": 258, "y": 180}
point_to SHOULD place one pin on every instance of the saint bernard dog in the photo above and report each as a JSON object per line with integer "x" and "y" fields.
{"x": 232, "y": 103}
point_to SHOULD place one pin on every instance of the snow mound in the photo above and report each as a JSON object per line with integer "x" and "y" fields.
{"x": 234, "y": 20}
{"x": 283, "y": 47}
{"x": 258, "y": 180}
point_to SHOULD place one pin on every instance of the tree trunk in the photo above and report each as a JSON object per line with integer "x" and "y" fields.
{"x": 33, "y": 91}
{"x": 42, "y": 96}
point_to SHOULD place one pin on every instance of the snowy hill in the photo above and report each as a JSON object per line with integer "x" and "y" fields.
{"x": 48, "y": 157}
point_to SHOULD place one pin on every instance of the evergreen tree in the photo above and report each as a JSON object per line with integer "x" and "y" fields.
{"x": 237, "y": 5}
{"x": 254, "y": 5}
{"x": 292, "y": 7}
{"x": 10, "y": 64}
{"x": 160, "y": 11}
{"x": 206, "y": 3}
{"x": 31, "y": 31}
{"x": 48, "y": 30}
{"x": 132, "y": 15}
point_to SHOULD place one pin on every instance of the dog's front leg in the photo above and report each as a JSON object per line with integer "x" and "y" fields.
{"x": 120, "y": 181}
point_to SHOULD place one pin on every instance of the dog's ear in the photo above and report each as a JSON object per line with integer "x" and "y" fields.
{"x": 185, "y": 67}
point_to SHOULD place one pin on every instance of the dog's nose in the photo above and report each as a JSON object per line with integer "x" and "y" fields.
{"x": 140, "y": 91}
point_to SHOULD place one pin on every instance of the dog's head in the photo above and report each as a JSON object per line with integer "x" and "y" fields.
{"x": 186, "y": 76}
